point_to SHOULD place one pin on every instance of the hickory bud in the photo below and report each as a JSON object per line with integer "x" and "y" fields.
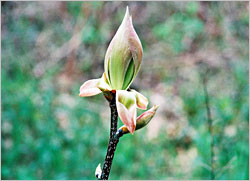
{"x": 124, "y": 55}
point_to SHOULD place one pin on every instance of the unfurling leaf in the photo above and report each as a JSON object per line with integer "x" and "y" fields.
{"x": 142, "y": 120}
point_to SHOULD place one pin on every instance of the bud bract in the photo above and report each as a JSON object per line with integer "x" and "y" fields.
{"x": 141, "y": 120}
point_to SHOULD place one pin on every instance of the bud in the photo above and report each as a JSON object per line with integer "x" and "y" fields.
{"x": 124, "y": 55}
{"x": 98, "y": 171}
{"x": 122, "y": 63}
{"x": 142, "y": 120}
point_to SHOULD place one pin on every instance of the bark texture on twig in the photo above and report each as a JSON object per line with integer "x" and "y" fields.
{"x": 113, "y": 140}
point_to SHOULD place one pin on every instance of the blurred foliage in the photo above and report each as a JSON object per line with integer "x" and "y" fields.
{"x": 50, "y": 48}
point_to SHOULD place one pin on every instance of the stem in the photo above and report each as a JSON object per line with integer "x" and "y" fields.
{"x": 113, "y": 140}
{"x": 210, "y": 123}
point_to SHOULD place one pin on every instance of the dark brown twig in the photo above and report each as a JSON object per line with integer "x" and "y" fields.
{"x": 113, "y": 139}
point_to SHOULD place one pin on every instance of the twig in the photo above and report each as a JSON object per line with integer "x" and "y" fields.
{"x": 210, "y": 123}
{"x": 113, "y": 139}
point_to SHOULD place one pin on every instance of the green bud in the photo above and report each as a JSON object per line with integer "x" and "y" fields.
{"x": 124, "y": 56}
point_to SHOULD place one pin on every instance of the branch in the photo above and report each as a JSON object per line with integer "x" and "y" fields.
{"x": 113, "y": 139}
{"x": 141, "y": 121}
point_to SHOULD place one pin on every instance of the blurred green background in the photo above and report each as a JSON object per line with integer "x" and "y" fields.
{"x": 50, "y": 48}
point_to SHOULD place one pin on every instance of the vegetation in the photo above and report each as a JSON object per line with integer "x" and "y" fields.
{"x": 50, "y": 48}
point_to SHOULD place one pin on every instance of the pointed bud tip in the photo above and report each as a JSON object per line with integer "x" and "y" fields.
{"x": 127, "y": 13}
{"x": 98, "y": 171}
{"x": 132, "y": 128}
{"x": 155, "y": 107}
{"x": 131, "y": 131}
{"x": 127, "y": 10}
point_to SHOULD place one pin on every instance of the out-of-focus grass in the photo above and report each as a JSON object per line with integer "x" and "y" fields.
{"x": 50, "y": 48}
